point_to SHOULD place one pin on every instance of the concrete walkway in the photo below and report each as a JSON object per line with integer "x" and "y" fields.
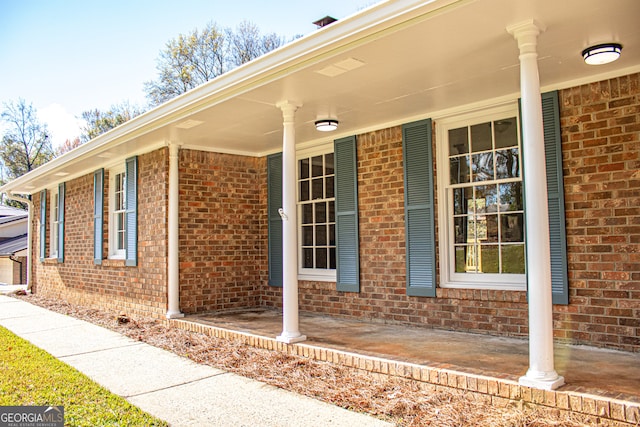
{"x": 163, "y": 384}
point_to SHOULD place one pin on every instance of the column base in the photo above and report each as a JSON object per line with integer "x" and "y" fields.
{"x": 288, "y": 339}
{"x": 548, "y": 382}
{"x": 174, "y": 314}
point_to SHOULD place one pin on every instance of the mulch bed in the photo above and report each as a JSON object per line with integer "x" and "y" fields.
{"x": 400, "y": 401}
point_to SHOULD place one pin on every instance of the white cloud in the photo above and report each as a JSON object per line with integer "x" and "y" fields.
{"x": 62, "y": 124}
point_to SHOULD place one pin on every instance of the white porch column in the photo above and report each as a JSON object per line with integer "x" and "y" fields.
{"x": 541, "y": 373}
{"x": 173, "y": 253}
{"x": 290, "y": 327}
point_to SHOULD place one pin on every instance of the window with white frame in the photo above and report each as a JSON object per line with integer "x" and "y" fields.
{"x": 117, "y": 208}
{"x": 483, "y": 205}
{"x": 316, "y": 216}
{"x": 54, "y": 220}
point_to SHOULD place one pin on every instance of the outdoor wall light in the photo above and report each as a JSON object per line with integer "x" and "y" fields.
{"x": 326, "y": 125}
{"x": 602, "y": 53}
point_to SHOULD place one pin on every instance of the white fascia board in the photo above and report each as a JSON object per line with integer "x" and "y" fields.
{"x": 362, "y": 27}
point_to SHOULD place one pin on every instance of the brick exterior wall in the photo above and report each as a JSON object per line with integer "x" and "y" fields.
{"x": 601, "y": 162}
{"x": 601, "y": 152}
{"x": 382, "y": 295}
{"x": 223, "y": 231}
{"x": 137, "y": 291}
{"x": 221, "y": 244}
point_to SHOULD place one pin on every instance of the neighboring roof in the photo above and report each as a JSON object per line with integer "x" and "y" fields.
{"x": 11, "y": 246}
{"x": 11, "y": 211}
{"x": 9, "y": 219}
{"x": 394, "y": 62}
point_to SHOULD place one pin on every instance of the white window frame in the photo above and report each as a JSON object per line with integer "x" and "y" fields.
{"x": 448, "y": 277}
{"x": 114, "y": 251}
{"x": 53, "y": 222}
{"x": 311, "y": 274}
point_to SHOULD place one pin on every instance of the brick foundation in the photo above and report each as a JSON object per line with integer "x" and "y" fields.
{"x": 496, "y": 391}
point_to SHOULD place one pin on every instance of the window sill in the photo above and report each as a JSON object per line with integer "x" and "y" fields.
{"x": 113, "y": 262}
{"x": 317, "y": 277}
{"x": 51, "y": 261}
{"x": 485, "y": 286}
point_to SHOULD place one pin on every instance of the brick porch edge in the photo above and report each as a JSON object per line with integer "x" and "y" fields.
{"x": 497, "y": 391}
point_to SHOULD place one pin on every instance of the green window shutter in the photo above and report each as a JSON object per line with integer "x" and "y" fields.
{"x": 98, "y": 208}
{"x": 274, "y": 202}
{"x": 347, "y": 237}
{"x": 419, "y": 208}
{"x": 131, "y": 214}
{"x": 555, "y": 197}
{"x": 555, "y": 190}
{"x": 43, "y": 225}
{"x": 61, "y": 189}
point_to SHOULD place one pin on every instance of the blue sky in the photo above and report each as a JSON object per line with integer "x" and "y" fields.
{"x": 68, "y": 56}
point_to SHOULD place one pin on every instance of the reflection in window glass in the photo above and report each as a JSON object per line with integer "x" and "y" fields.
{"x": 487, "y": 211}
{"x": 317, "y": 206}
{"x": 481, "y": 139}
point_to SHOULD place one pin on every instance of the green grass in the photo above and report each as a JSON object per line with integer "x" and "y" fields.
{"x": 31, "y": 376}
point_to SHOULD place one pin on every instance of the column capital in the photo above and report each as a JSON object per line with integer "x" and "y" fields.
{"x": 288, "y": 108}
{"x": 174, "y": 147}
{"x": 526, "y": 34}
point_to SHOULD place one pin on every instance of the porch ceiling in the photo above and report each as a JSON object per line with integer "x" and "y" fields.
{"x": 407, "y": 60}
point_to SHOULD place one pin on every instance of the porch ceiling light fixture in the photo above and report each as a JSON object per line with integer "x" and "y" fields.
{"x": 326, "y": 125}
{"x": 602, "y": 53}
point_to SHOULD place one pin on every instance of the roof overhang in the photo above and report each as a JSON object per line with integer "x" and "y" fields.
{"x": 391, "y": 63}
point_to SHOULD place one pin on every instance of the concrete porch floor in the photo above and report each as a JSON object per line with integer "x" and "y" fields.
{"x": 610, "y": 373}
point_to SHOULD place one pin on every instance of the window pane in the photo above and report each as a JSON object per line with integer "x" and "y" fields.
{"x": 486, "y": 199}
{"x": 332, "y": 258}
{"x": 511, "y": 196}
{"x": 307, "y": 236}
{"x": 307, "y": 213}
{"x": 506, "y": 133}
{"x": 321, "y": 212}
{"x": 321, "y": 235}
{"x": 507, "y": 165}
{"x": 120, "y": 240}
{"x": 481, "y": 137}
{"x": 307, "y": 258}
{"x": 459, "y": 170}
{"x": 304, "y": 191}
{"x": 317, "y": 168}
{"x": 332, "y": 235}
{"x": 462, "y": 253}
{"x": 491, "y": 223}
{"x": 489, "y": 261}
{"x": 513, "y": 259}
{"x": 458, "y": 141}
{"x": 482, "y": 166}
{"x": 328, "y": 164}
{"x": 317, "y": 187}
{"x": 460, "y": 229}
{"x": 329, "y": 189}
{"x": 332, "y": 212}
{"x": 461, "y": 197}
{"x": 512, "y": 227}
{"x": 321, "y": 258}
{"x": 120, "y": 230}
{"x": 303, "y": 166}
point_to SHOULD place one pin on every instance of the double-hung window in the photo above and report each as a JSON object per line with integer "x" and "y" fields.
{"x": 117, "y": 203}
{"x": 316, "y": 216}
{"x": 54, "y": 222}
{"x": 482, "y": 208}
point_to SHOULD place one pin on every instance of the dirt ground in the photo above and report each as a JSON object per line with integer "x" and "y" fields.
{"x": 400, "y": 401}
